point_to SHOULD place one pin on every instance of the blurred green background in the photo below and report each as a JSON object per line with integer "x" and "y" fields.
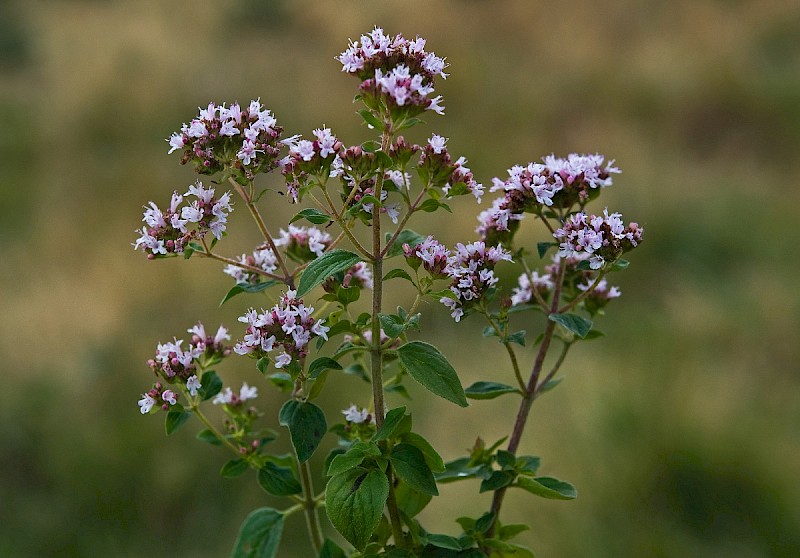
{"x": 680, "y": 428}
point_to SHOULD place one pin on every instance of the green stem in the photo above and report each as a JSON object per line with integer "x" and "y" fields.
{"x": 403, "y": 222}
{"x": 345, "y": 226}
{"x": 510, "y": 350}
{"x": 310, "y": 507}
{"x": 250, "y": 268}
{"x": 583, "y": 295}
{"x": 199, "y": 414}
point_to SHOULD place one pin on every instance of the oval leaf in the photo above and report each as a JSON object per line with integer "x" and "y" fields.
{"x": 307, "y": 426}
{"x": 548, "y": 487}
{"x": 322, "y": 363}
{"x": 175, "y": 419}
{"x": 259, "y": 535}
{"x": 578, "y": 325}
{"x": 487, "y": 390}
{"x": 277, "y": 480}
{"x": 410, "y": 466}
{"x": 430, "y": 368}
{"x": 432, "y": 457}
{"x": 354, "y": 501}
{"x": 234, "y": 468}
{"x": 313, "y": 215}
{"x": 323, "y": 267}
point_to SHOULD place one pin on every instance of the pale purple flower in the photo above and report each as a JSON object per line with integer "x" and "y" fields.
{"x": 146, "y": 403}
{"x": 169, "y": 397}
{"x": 262, "y": 258}
{"x": 437, "y": 143}
{"x": 247, "y": 392}
{"x": 282, "y": 360}
{"x": 176, "y": 141}
{"x": 471, "y": 270}
{"x": 355, "y": 415}
{"x": 193, "y": 385}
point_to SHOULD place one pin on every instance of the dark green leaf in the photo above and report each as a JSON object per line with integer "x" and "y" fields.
{"x": 406, "y": 236}
{"x": 307, "y": 426}
{"x": 517, "y": 337}
{"x": 371, "y": 119}
{"x": 259, "y": 535}
{"x": 399, "y": 389}
{"x": 234, "y": 468}
{"x": 410, "y": 466}
{"x": 353, "y": 457}
{"x": 247, "y": 288}
{"x": 262, "y": 364}
{"x": 208, "y": 437}
{"x": 331, "y": 550}
{"x": 594, "y": 334}
{"x": 354, "y": 501}
{"x": 548, "y": 487}
{"x": 507, "y": 532}
{"x": 392, "y": 324}
{"x": 277, "y": 480}
{"x": 578, "y": 325}
{"x": 488, "y": 390}
{"x": 391, "y": 424}
{"x": 527, "y": 464}
{"x": 371, "y": 146}
{"x": 282, "y": 381}
{"x": 398, "y": 274}
{"x": 484, "y": 522}
{"x": 432, "y": 458}
{"x": 443, "y": 541}
{"x": 550, "y": 385}
{"x": 175, "y": 419}
{"x": 320, "y": 364}
{"x": 506, "y": 459}
{"x": 313, "y": 215}
{"x": 457, "y": 469}
{"x": 212, "y": 384}
{"x": 325, "y": 266}
{"x": 543, "y": 247}
{"x": 430, "y": 368}
{"x": 410, "y": 501}
{"x": 497, "y": 480}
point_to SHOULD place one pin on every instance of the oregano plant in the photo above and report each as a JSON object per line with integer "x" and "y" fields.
{"x": 311, "y": 298}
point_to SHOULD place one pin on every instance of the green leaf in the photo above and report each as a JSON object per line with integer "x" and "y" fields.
{"x": 259, "y": 535}
{"x": 175, "y": 419}
{"x": 443, "y": 541}
{"x": 234, "y": 468}
{"x": 432, "y": 458}
{"x": 410, "y": 466}
{"x": 527, "y": 464}
{"x": 398, "y": 274}
{"x": 282, "y": 381}
{"x": 458, "y": 469}
{"x": 507, "y": 532}
{"x": 484, "y": 522}
{"x": 548, "y": 487}
{"x": 208, "y": 437}
{"x": 550, "y": 385}
{"x": 320, "y": 364}
{"x": 390, "y": 424}
{"x": 318, "y": 385}
{"x": 307, "y": 426}
{"x": 371, "y": 146}
{"x": 354, "y": 501}
{"x": 517, "y": 337}
{"x": 277, "y": 480}
{"x": 430, "y": 368}
{"x": 488, "y": 390}
{"x": 406, "y": 236}
{"x": 262, "y": 364}
{"x": 325, "y": 266}
{"x": 371, "y": 119}
{"x": 594, "y": 334}
{"x": 353, "y": 457}
{"x": 331, "y": 550}
{"x": 578, "y": 325}
{"x": 212, "y": 384}
{"x": 430, "y": 205}
{"x": 313, "y": 215}
{"x": 543, "y": 247}
{"x": 247, "y": 288}
{"x": 620, "y": 265}
{"x": 410, "y": 501}
{"x": 392, "y": 324}
{"x": 506, "y": 459}
{"x": 497, "y": 480}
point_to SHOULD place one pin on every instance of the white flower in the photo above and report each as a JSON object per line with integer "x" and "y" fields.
{"x": 193, "y": 384}
{"x": 146, "y": 403}
{"x": 224, "y": 397}
{"x": 282, "y": 360}
{"x": 169, "y": 396}
{"x": 355, "y": 415}
{"x": 247, "y": 392}
{"x": 437, "y": 143}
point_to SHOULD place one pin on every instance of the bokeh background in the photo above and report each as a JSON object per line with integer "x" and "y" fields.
{"x": 680, "y": 428}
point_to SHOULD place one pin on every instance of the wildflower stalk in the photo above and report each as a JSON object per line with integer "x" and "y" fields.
{"x": 310, "y": 505}
{"x": 529, "y": 393}
{"x": 251, "y": 268}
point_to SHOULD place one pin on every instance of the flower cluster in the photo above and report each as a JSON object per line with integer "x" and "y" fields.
{"x": 286, "y": 327}
{"x": 431, "y": 254}
{"x": 604, "y": 237}
{"x": 523, "y": 293}
{"x": 557, "y": 182}
{"x": 157, "y": 397}
{"x": 168, "y": 232}
{"x": 228, "y": 397}
{"x": 471, "y": 269}
{"x": 303, "y": 243}
{"x": 396, "y": 71}
{"x": 309, "y": 158}
{"x": 436, "y": 166}
{"x": 244, "y": 140}
{"x": 173, "y": 363}
{"x": 262, "y": 258}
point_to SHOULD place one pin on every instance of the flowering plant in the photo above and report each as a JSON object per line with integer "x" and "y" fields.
{"x": 383, "y": 471}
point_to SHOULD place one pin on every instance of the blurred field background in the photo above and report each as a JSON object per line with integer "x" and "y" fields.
{"x": 680, "y": 428}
